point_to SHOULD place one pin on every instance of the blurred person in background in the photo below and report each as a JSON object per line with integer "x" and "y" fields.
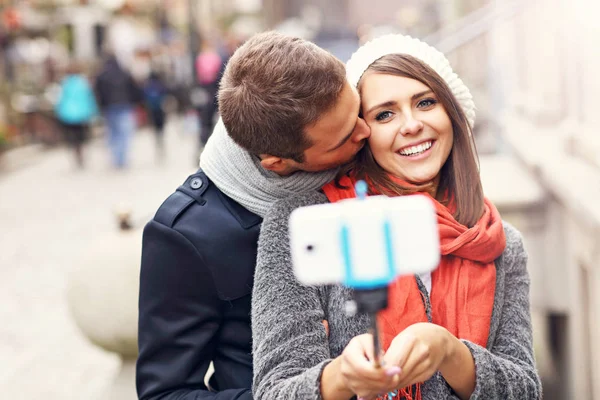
{"x": 75, "y": 108}
{"x": 180, "y": 73}
{"x": 155, "y": 93}
{"x": 118, "y": 94}
{"x": 209, "y": 68}
{"x": 231, "y": 41}
{"x": 289, "y": 119}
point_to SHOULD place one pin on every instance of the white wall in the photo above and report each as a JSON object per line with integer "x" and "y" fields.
{"x": 549, "y": 60}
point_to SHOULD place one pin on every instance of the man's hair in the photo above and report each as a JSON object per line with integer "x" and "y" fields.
{"x": 274, "y": 86}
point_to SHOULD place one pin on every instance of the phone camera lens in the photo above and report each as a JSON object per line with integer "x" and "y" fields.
{"x": 310, "y": 247}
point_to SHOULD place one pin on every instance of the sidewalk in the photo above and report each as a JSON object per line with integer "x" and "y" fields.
{"x": 50, "y": 214}
{"x": 21, "y": 157}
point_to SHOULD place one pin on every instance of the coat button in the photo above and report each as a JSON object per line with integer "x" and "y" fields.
{"x": 196, "y": 183}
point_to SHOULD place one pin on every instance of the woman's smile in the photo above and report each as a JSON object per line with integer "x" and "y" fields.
{"x": 418, "y": 151}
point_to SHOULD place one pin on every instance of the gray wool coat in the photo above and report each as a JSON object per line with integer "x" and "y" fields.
{"x": 291, "y": 348}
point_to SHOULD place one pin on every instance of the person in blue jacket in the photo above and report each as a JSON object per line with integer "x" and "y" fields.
{"x": 75, "y": 109}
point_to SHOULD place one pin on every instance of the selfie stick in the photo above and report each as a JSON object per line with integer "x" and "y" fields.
{"x": 369, "y": 296}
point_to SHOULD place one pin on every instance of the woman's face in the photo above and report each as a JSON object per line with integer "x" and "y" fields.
{"x": 411, "y": 133}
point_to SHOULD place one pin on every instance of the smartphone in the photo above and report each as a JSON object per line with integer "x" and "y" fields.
{"x": 364, "y": 243}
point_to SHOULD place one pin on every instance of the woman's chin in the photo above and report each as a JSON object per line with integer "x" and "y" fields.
{"x": 420, "y": 180}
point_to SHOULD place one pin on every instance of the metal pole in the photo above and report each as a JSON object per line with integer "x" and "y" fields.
{"x": 193, "y": 35}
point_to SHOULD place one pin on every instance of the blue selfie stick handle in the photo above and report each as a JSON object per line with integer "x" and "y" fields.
{"x": 361, "y": 189}
{"x": 350, "y": 279}
{"x": 367, "y": 300}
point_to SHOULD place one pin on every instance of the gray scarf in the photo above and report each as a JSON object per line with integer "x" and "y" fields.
{"x": 240, "y": 176}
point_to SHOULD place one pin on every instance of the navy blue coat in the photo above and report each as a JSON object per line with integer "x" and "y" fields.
{"x": 198, "y": 259}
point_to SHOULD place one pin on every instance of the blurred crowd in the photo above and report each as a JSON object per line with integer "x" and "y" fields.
{"x": 132, "y": 77}
{"x": 124, "y": 99}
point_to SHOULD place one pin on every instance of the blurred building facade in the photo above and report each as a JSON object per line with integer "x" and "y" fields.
{"x": 408, "y": 15}
{"x": 534, "y": 69}
{"x": 547, "y": 64}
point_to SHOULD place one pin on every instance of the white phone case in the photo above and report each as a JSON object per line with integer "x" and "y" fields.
{"x": 362, "y": 241}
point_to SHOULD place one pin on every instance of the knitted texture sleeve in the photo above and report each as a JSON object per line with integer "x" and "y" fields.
{"x": 290, "y": 346}
{"x": 507, "y": 370}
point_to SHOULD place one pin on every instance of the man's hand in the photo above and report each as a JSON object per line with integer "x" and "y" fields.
{"x": 326, "y": 326}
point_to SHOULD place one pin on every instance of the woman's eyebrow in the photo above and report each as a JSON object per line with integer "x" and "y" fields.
{"x": 420, "y": 94}
{"x": 391, "y": 103}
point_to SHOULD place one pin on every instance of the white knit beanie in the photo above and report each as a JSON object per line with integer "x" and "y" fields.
{"x": 373, "y": 50}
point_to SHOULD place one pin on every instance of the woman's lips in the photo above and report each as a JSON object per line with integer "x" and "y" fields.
{"x": 417, "y": 151}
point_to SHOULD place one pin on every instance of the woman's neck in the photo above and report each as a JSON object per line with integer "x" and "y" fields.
{"x": 432, "y": 188}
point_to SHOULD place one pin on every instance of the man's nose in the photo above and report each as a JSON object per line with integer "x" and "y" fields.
{"x": 411, "y": 126}
{"x": 361, "y": 132}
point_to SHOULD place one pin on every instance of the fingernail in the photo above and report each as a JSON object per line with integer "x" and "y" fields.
{"x": 393, "y": 371}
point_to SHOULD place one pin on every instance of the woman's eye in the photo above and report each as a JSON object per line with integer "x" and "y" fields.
{"x": 426, "y": 103}
{"x": 383, "y": 115}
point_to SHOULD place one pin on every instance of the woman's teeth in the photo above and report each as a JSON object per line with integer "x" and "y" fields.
{"x": 414, "y": 150}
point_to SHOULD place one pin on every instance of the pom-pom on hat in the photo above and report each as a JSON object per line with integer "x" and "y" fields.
{"x": 373, "y": 50}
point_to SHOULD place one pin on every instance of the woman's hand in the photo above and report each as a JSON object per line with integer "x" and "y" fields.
{"x": 358, "y": 373}
{"x": 414, "y": 356}
{"x": 420, "y": 350}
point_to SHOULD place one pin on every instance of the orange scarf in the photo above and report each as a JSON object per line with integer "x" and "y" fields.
{"x": 462, "y": 287}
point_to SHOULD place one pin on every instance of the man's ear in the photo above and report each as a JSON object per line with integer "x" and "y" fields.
{"x": 276, "y": 164}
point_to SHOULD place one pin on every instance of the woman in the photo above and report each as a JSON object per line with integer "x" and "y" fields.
{"x": 209, "y": 69}
{"x": 463, "y": 331}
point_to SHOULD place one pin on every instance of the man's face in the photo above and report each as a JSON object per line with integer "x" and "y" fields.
{"x": 337, "y": 136}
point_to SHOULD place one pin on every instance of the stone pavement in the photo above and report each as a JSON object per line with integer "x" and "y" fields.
{"x": 50, "y": 213}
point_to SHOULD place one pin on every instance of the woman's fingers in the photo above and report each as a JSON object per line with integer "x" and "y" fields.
{"x": 364, "y": 362}
{"x": 399, "y": 351}
{"x": 429, "y": 347}
{"x": 358, "y": 356}
{"x": 419, "y": 357}
{"x": 419, "y": 366}
{"x": 359, "y": 352}
{"x": 413, "y": 356}
{"x": 359, "y": 372}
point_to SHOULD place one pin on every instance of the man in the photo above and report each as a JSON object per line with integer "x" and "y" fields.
{"x": 118, "y": 94}
{"x": 289, "y": 118}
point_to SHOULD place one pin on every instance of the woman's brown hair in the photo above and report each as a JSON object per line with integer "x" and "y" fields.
{"x": 459, "y": 177}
